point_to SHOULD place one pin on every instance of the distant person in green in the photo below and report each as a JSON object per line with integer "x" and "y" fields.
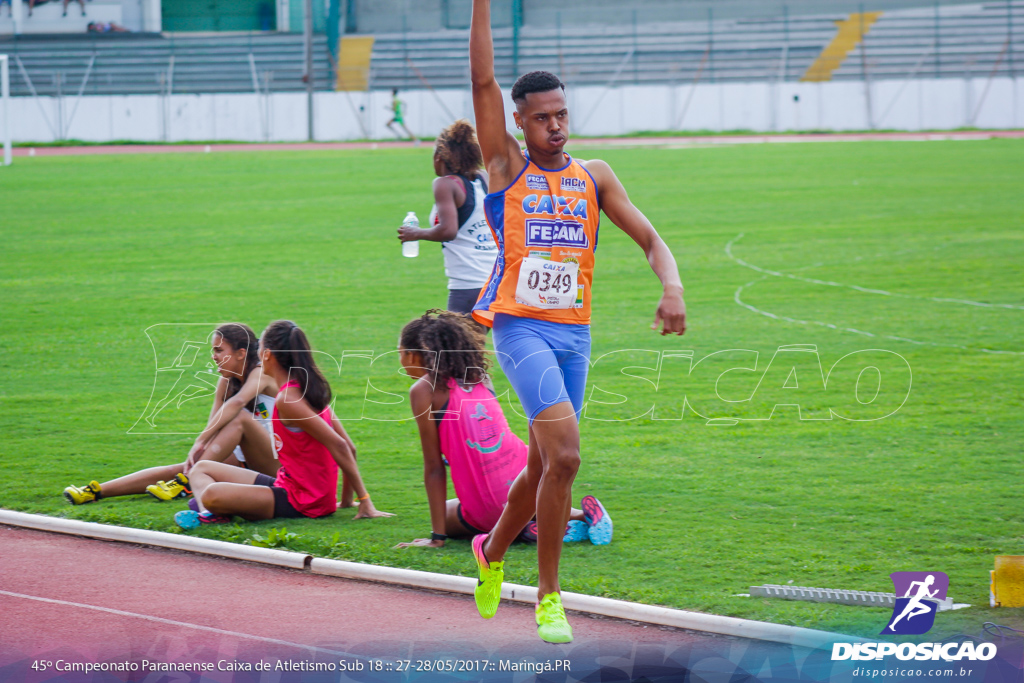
{"x": 396, "y": 117}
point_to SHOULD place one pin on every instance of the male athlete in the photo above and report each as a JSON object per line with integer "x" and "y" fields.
{"x": 537, "y": 300}
{"x": 397, "y": 117}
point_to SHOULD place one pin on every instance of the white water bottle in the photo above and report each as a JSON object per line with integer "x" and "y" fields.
{"x": 411, "y": 249}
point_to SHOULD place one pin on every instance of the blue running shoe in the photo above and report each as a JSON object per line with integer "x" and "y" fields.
{"x": 190, "y": 519}
{"x": 599, "y": 524}
{"x": 576, "y": 531}
{"x": 187, "y": 519}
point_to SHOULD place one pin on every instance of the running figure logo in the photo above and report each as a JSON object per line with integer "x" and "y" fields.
{"x": 914, "y": 612}
{"x": 481, "y": 413}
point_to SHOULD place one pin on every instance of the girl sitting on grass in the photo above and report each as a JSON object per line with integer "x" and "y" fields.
{"x": 310, "y": 442}
{"x": 237, "y": 433}
{"x": 461, "y": 424}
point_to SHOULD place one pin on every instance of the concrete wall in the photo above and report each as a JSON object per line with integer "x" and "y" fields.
{"x": 903, "y": 105}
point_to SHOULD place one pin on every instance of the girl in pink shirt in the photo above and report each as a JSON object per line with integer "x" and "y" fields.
{"x": 310, "y": 443}
{"x": 462, "y": 425}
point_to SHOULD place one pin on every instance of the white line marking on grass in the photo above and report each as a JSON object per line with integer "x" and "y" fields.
{"x": 866, "y": 290}
{"x": 738, "y": 298}
{"x": 170, "y": 622}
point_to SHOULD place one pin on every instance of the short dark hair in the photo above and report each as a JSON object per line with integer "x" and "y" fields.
{"x": 535, "y": 81}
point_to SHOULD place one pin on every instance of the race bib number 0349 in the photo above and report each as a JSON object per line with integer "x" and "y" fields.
{"x": 547, "y": 284}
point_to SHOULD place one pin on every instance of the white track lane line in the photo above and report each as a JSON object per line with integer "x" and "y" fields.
{"x": 171, "y": 622}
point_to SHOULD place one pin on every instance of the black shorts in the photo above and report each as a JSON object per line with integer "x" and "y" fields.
{"x": 282, "y": 506}
{"x": 469, "y": 527}
{"x": 462, "y": 300}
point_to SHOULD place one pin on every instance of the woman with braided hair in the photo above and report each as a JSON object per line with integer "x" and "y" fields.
{"x": 457, "y": 220}
{"x": 461, "y": 424}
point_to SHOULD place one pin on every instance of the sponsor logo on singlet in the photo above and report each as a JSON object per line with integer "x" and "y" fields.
{"x": 536, "y": 182}
{"x": 555, "y": 205}
{"x": 573, "y": 184}
{"x": 278, "y": 443}
{"x": 555, "y": 233}
{"x": 262, "y": 411}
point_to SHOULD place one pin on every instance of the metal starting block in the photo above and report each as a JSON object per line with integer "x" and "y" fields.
{"x": 842, "y": 597}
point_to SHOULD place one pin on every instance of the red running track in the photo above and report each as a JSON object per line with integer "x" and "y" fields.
{"x": 83, "y": 600}
{"x": 670, "y": 141}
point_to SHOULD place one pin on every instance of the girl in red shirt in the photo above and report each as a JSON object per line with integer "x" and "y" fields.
{"x": 310, "y": 443}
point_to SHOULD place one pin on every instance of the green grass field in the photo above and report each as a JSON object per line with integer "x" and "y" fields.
{"x": 98, "y": 249}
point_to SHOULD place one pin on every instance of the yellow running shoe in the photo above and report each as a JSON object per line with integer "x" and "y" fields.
{"x": 79, "y": 495}
{"x": 169, "y": 490}
{"x": 488, "y": 587}
{"x": 552, "y": 626}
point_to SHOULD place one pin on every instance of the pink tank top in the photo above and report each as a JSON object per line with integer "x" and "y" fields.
{"x": 308, "y": 471}
{"x": 483, "y": 453}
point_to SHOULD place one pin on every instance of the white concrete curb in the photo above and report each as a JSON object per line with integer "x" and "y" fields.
{"x": 281, "y": 558}
{"x": 709, "y": 623}
{"x": 649, "y": 614}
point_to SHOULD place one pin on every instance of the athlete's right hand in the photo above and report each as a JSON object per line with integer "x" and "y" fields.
{"x": 408, "y": 233}
{"x": 421, "y": 543}
{"x": 671, "y": 313}
{"x": 194, "y": 454}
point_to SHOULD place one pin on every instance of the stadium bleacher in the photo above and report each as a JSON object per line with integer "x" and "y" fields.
{"x": 971, "y": 38}
{"x": 125, "y": 64}
{"x": 950, "y": 41}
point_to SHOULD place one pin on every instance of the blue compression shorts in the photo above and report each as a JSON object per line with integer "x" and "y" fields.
{"x": 546, "y": 362}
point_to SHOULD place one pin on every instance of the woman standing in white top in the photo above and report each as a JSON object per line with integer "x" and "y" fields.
{"x": 457, "y": 220}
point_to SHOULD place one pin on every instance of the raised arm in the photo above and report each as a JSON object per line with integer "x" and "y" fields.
{"x": 501, "y": 151}
{"x": 620, "y": 210}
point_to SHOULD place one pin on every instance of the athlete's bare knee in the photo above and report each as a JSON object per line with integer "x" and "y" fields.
{"x": 203, "y": 467}
{"x": 213, "y": 499}
{"x": 562, "y": 465}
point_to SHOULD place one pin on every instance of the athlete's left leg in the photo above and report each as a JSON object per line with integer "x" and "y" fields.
{"x": 207, "y": 474}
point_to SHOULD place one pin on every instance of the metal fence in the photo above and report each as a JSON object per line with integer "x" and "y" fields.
{"x": 940, "y": 40}
{"x": 153, "y": 64}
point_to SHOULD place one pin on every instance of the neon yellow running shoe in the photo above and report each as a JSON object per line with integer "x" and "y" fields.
{"x": 488, "y": 587}
{"x": 169, "y": 490}
{"x": 552, "y": 625}
{"x": 79, "y": 495}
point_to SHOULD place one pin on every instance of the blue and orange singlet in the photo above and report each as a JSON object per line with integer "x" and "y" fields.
{"x": 552, "y": 215}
